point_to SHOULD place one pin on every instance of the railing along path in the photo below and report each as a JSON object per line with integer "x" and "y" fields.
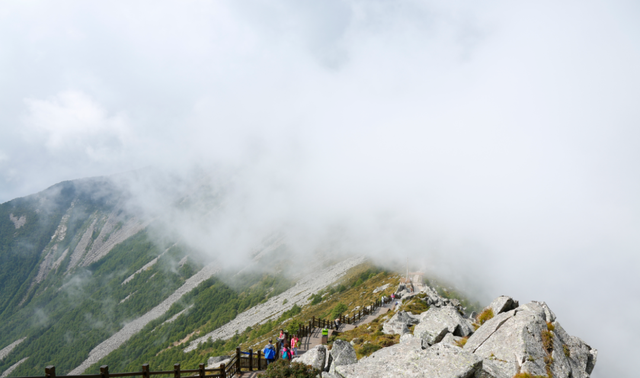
{"x": 241, "y": 361}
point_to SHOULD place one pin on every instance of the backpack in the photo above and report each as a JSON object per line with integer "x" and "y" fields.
{"x": 269, "y": 353}
{"x": 285, "y": 354}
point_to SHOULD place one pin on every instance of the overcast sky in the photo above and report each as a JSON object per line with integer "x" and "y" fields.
{"x": 498, "y": 141}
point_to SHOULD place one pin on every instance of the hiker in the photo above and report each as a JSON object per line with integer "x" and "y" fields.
{"x": 270, "y": 352}
{"x": 337, "y": 323}
{"x": 280, "y": 339}
{"x": 294, "y": 344}
{"x": 286, "y": 352}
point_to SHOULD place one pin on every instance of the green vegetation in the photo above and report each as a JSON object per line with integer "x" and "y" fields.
{"x": 527, "y": 375}
{"x": 214, "y": 303}
{"x": 484, "y": 316}
{"x": 93, "y": 304}
{"x": 284, "y": 369}
{"x": 315, "y": 299}
{"x": 369, "y": 338}
{"x": 338, "y": 310}
{"x": 547, "y": 344}
{"x": 70, "y": 312}
{"x": 415, "y": 305}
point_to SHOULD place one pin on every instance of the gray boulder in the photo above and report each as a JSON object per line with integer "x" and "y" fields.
{"x": 541, "y": 309}
{"x": 433, "y": 299}
{"x": 342, "y": 353}
{"x": 399, "y": 323}
{"x": 438, "y": 321}
{"x": 450, "y": 339}
{"x": 315, "y": 357}
{"x": 571, "y": 355}
{"x": 503, "y": 304}
{"x": 512, "y": 342}
{"x": 400, "y": 360}
{"x": 411, "y": 341}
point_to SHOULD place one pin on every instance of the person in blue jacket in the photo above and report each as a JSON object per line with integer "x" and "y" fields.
{"x": 270, "y": 352}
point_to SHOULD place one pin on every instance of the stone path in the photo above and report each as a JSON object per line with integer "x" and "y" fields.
{"x": 316, "y": 338}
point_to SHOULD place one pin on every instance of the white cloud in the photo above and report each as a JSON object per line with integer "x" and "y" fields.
{"x": 72, "y": 123}
{"x": 501, "y": 138}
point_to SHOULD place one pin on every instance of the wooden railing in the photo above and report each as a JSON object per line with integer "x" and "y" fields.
{"x": 306, "y": 330}
{"x": 240, "y": 361}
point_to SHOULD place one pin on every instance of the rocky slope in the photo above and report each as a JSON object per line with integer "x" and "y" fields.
{"x": 515, "y": 341}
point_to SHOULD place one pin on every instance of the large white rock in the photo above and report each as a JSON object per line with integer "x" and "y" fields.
{"x": 314, "y": 357}
{"x": 399, "y": 323}
{"x": 571, "y": 355}
{"x": 511, "y": 342}
{"x": 438, "y": 321}
{"x": 342, "y": 353}
{"x": 503, "y": 304}
{"x": 401, "y": 360}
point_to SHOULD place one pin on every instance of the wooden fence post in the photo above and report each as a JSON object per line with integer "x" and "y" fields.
{"x": 250, "y": 359}
{"x": 238, "y": 366}
{"x": 201, "y": 368}
{"x": 176, "y": 371}
{"x": 50, "y": 371}
{"x": 259, "y": 356}
{"x": 145, "y": 370}
{"x": 223, "y": 371}
{"x": 104, "y": 371}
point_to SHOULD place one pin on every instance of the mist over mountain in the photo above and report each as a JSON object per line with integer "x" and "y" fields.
{"x": 491, "y": 145}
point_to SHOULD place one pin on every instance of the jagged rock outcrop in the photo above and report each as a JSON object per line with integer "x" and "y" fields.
{"x": 399, "y": 323}
{"x": 404, "y": 360}
{"x": 437, "y": 322}
{"x": 315, "y": 357}
{"x": 518, "y": 339}
{"x": 503, "y": 304}
{"x": 342, "y": 353}
{"x": 433, "y": 299}
{"x": 529, "y": 340}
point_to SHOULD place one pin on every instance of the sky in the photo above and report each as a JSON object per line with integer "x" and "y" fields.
{"x": 495, "y": 143}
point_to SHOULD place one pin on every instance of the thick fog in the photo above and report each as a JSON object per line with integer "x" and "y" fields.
{"x": 495, "y": 144}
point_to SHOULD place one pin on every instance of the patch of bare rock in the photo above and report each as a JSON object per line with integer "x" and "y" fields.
{"x": 445, "y": 344}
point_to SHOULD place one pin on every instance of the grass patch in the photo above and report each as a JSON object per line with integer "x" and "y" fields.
{"x": 484, "y": 316}
{"x": 322, "y": 303}
{"x": 416, "y": 305}
{"x": 547, "y": 341}
{"x": 338, "y": 310}
{"x": 283, "y": 368}
{"x": 547, "y": 344}
{"x": 461, "y": 343}
{"x": 369, "y": 337}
